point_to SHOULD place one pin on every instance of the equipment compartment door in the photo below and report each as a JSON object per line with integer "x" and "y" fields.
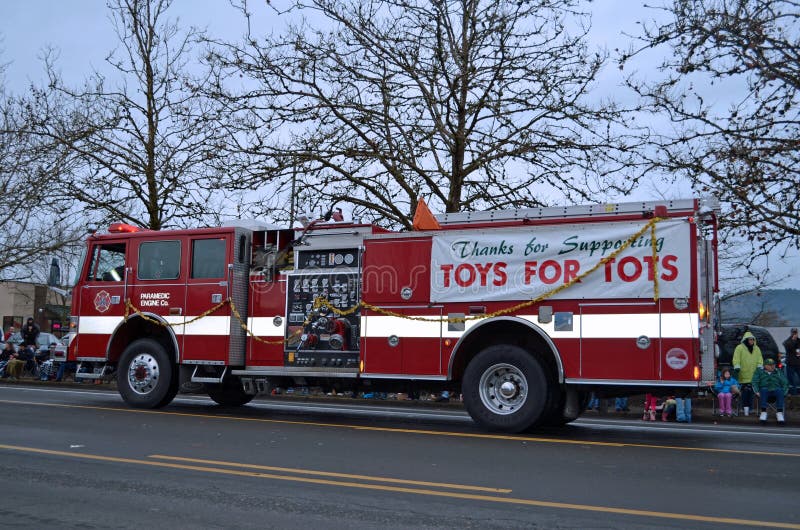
{"x": 403, "y": 335}
{"x": 620, "y": 341}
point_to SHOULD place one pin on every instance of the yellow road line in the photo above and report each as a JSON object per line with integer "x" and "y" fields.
{"x": 332, "y": 474}
{"x": 433, "y": 493}
{"x": 485, "y": 436}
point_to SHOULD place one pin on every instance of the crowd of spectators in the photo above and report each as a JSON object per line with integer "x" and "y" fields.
{"x": 28, "y": 358}
{"x": 746, "y": 379}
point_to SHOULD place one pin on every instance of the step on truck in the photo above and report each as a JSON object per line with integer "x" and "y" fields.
{"x": 523, "y": 312}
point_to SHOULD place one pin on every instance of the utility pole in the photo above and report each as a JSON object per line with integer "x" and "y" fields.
{"x": 292, "y": 198}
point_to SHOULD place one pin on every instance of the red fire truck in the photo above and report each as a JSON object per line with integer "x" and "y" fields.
{"x": 523, "y": 311}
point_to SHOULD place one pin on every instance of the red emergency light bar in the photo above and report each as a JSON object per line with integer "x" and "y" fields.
{"x": 117, "y": 228}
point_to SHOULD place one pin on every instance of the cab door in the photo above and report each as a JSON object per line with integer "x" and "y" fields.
{"x": 101, "y": 299}
{"x": 157, "y": 281}
{"x": 207, "y": 317}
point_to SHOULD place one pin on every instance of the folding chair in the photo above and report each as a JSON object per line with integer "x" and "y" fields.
{"x": 31, "y": 369}
{"x": 771, "y": 406}
{"x": 736, "y": 403}
{"x": 736, "y": 397}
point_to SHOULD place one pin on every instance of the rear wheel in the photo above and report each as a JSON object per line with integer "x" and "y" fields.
{"x": 229, "y": 393}
{"x": 505, "y": 389}
{"x": 145, "y": 375}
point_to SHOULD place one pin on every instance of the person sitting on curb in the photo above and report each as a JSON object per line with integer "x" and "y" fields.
{"x": 650, "y": 406}
{"x": 16, "y": 364}
{"x": 770, "y": 383}
{"x": 43, "y": 354}
{"x": 66, "y": 368}
{"x": 668, "y": 408}
{"x": 726, "y": 387}
{"x": 683, "y": 409}
{"x": 6, "y": 355}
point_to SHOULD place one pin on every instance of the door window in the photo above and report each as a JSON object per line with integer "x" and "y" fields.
{"x": 208, "y": 258}
{"x": 159, "y": 260}
{"x": 108, "y": 263}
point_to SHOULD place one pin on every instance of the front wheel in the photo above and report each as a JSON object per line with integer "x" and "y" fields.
{"x": 145, "y": 375}
{"x": 505, "y": 388}
{"x": 229, "y": 393}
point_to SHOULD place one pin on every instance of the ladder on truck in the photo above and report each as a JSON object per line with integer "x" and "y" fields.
{"x": 684, "y": 206}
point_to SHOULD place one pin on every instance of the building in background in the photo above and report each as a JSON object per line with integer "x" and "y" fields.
{"x": 20, "y": 300}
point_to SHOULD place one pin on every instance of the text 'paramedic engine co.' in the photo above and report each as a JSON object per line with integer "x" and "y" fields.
{"x": 489, "y": 265}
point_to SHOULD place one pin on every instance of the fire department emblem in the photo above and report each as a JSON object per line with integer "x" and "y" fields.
{"x": 677, "y": 358}
{"x": 102, "y": 302}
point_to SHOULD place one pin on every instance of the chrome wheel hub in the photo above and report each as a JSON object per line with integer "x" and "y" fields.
{"x": 508, "y": 389}
{"x": 143, "y": 373}
{"x": 503, "y": 389}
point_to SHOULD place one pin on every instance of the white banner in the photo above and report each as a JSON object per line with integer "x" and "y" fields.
{"x": 521, "y": 264}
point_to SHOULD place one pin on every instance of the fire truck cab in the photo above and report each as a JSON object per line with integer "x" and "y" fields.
{"x": 522, "y": 311}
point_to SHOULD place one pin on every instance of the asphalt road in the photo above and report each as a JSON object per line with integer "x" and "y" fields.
{"x": 80, "y": 458}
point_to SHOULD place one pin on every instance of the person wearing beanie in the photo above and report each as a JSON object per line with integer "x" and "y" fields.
{"x": 770, "y": 383}
{"x": 747, "y": 359}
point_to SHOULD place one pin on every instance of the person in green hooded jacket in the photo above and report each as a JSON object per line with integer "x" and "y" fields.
{"x": 747, "y": 359}
{"x": 770, "y": 383}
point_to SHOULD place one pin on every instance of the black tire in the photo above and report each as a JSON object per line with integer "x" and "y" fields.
{"x": 558, "y": 418}
{"x": 174, "y": 387}
{"x": 146, "y": 377}
{"x": 229, "y": 393}
{"x": 554, "y": 414}
{"x": 525, "y": 394}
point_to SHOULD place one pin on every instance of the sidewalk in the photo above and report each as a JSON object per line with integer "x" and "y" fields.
{"x": 701, "y": 406}
{"x": 701, "y": 412}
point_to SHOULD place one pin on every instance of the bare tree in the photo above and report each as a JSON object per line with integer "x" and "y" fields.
{"x": 470, "y": 104}
{"x": 146, "y": 144}
{"x": 745, "y": 53}
{"x": 34, "y": 217}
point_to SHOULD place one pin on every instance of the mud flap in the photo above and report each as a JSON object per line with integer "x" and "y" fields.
{"x": 572, "y": 404}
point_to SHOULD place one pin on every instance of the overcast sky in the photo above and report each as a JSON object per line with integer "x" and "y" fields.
{"x": 81, "y": 32}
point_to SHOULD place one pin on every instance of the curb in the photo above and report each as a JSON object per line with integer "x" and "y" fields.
{"x": 701, "y": 409}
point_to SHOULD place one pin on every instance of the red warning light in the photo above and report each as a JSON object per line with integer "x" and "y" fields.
{"x": 117, "y": 228}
